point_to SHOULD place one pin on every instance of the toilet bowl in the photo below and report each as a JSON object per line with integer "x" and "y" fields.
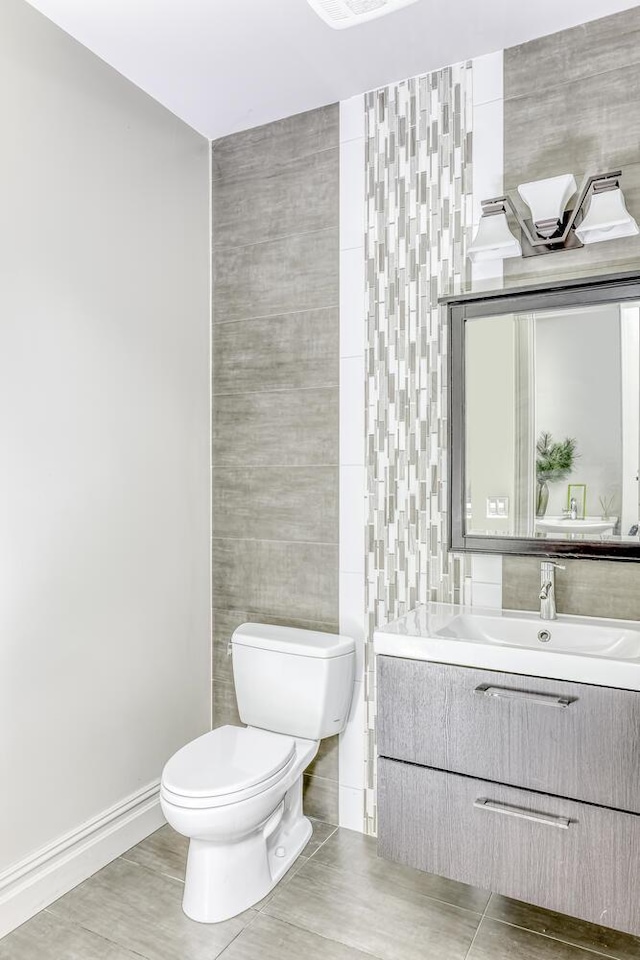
{"x": 236, "y": 792}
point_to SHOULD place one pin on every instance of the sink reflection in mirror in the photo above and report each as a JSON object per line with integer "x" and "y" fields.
{"x": 552, "y": 399}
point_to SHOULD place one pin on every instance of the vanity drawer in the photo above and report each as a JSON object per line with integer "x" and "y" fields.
{"x": 569, "y": 739}
{"x": 566, "y": 856}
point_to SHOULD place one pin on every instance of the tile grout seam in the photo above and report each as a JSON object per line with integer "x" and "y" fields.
{"x": 227, "y": 247}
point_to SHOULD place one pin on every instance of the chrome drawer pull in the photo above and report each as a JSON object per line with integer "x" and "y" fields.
{"x": 506, "y": 693}
{"x": 547, "y": 819}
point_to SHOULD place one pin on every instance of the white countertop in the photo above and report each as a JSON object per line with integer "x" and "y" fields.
{"x": 419, "y": 636}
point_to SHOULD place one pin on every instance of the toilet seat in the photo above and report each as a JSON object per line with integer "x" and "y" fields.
{"x": 225, "y": 766}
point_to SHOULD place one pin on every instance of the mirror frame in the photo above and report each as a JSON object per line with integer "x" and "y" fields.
{"x": 545, "y": 296}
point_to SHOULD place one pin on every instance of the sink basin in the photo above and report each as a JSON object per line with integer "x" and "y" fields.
{"x": 582, "y": 649}
{"x": 565, "y": 635}
{"x": 593, "y": 525}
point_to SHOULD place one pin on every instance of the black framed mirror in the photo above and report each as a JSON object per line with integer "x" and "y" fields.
{"x": 544, "y": 419}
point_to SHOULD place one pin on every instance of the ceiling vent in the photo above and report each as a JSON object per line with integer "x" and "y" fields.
{"x": 349, "y": 13}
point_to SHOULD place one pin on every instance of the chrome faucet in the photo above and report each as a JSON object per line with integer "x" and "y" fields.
{"x": 548, "y": 589}
{"x": 573, "y": 508}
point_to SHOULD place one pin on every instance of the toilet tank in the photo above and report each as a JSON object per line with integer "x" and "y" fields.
{"x": 298, "y": 682}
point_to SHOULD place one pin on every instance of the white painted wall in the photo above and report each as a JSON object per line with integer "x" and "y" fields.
{"x": 104, "y": 435}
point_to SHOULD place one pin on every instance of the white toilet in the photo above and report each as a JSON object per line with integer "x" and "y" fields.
{"x": 237, "y": 792}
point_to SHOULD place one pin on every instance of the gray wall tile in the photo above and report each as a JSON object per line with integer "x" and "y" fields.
{"x": 325, "y": 763}
{"x": 298, "y": 197}
{"x": 277, "y": 353}
{"x": 583, "y": 127}
{"x": 320, "y": 798}
{"x": 278, "y": 276}
{"x": 288, "y": 427}
{"x": 225, "y": 705}
{"x": 275, "y": 384}
{"x": 265, "y": 148}
{"x": 600, "y": 46}
{"x": 590, "y": 588}
{"x": 278, "y": 579}
{"x": 276, "y": 503}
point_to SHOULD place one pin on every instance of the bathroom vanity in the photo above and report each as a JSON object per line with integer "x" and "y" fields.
{"x": 512, "y": 763}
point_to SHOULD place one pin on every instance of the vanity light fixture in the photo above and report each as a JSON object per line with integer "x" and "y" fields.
{"x": 340, "y": 14}
{"x": 494, "y": 239}
{"x": 607, "y": 218}
{"x": 552, "y": 225}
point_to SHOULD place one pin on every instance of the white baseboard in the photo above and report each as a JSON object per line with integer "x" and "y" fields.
{"x": 29, "y": 886}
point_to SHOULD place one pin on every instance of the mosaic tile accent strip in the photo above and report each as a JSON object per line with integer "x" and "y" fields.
{"x": 418, "y": 214}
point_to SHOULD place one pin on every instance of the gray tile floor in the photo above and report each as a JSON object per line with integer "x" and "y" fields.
{"x": 338, "y": 902}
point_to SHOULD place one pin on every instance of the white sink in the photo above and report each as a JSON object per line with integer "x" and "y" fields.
{"x": 582, "y": 649}
{"x": 601, "y": 638}
{"x": 594, "y": 525}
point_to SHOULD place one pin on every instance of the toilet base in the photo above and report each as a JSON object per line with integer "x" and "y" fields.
{"x": 224, "y": 879}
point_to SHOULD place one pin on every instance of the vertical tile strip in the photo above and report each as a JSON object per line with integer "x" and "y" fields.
{"x": 418, "y": 212}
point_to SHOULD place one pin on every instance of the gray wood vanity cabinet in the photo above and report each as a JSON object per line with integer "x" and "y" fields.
{"x": 520, "y": 785}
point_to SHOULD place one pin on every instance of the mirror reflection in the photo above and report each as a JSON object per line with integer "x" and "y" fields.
{"x": 553, "y": 423}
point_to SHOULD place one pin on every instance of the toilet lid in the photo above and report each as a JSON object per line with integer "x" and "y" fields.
{"x": 227, "y": 760}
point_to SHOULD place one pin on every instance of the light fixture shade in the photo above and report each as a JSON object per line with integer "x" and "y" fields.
{"x": 547, "y": 199}
{"x": 607, "y": 218}
{"x": 494, "y": 240}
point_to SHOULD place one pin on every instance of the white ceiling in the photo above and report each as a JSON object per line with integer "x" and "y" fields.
{"x": 226, "y": 65}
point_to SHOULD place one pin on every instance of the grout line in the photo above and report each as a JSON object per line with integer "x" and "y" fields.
{"x": 310, "y": 543}
{"x": 288, "y": 466}
{"x": 342, "y": 943}
{"x": 313, "y": 776}
{"x": 333, "y": 832}
{"x": 142, "y": 866}
{"x": 220, "y": 956}
{"x": 252, "y": 393}
{"x": 334, "y": 228}
{"x": 484, "y": 913}
{"x": 277, "y": 316}
{"x": 145, "y": 869}
{"x": 272, "y": 316}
